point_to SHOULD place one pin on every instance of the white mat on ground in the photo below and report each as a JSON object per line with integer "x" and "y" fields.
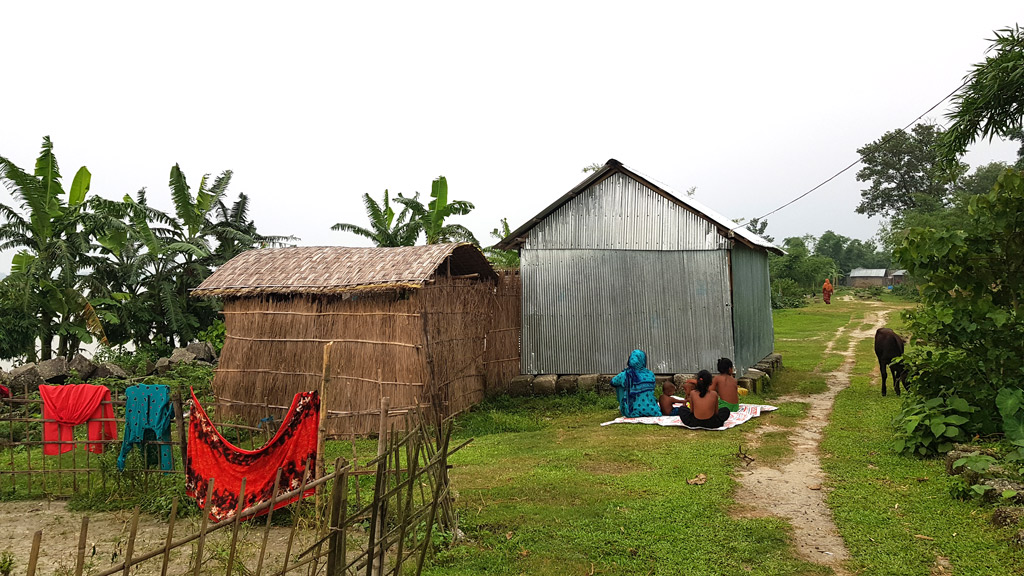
{"x": 746, "y": 412}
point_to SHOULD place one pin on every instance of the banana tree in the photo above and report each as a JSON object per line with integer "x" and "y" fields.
{"x": 385, "y": 229}
{"x": 433, "y": 216}
{"x": 52, "y": 246}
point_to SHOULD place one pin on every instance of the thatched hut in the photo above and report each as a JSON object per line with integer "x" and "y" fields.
{"x": 409, "y": 323}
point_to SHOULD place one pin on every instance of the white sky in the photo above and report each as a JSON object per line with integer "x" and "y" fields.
{"x": 314, "y": 104}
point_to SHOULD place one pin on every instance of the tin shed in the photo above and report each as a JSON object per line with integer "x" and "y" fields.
{"x": 620, "y": 262}
{"x": 409, "y": 323}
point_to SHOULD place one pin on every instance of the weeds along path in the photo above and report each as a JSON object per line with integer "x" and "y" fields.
{"x": 794, "y": 490}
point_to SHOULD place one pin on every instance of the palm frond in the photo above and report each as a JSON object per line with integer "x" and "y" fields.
{"x": 182, "y": 198}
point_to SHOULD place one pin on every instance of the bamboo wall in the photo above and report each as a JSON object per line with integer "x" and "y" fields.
{"x": 501, "y": 359}
{"x": 420, "y": 346}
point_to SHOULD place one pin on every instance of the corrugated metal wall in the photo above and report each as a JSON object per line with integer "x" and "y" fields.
{"x": 584, "y": 311}
{"x": 752, "y": 308}
{"x": 620, "y": 213}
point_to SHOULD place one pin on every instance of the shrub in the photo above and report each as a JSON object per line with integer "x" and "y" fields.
{"x": 930, "y": 426}
{"x": 786, "y": 293}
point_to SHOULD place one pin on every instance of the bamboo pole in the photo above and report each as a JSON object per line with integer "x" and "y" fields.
{"x": 270, "y": 516}
{"x": 170, "y": 535}
{"x": 322, "y": 429}
{"x": 179, "y": 415}
{"x": 33, "y": 557}
{"x": 234, "y": 529}
{"x": 80, "y": 559}
{"x": 295, "y": 516}
{"x": 382, "y": 444}
{"x": 202, "y": 527}
{"x": 131, "y": 541}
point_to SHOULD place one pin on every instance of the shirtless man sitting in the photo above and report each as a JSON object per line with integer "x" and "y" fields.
{"x": 704, "y": 411}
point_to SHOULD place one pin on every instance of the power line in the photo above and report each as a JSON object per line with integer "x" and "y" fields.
{"x": 858, "y": 160}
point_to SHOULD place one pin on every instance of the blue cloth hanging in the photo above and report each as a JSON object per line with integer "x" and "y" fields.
{"x": 147, "y": 417}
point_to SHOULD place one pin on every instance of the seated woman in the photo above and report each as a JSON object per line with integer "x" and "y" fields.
{"x": 703, "y": 410}
{"x": 634, "y": 387}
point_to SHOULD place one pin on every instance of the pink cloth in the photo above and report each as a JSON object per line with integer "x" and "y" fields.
{"x": 71, "y": 405}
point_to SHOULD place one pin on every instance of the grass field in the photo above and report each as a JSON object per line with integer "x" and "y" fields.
{"x": 543, "y": 489}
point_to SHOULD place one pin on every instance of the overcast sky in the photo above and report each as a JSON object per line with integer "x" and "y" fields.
{"x": 313, "y": 104}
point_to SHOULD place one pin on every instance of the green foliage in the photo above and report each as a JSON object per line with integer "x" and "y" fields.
{"x": 6, "y": 562}
{"x": 432, "y": 218}
{"x": 786, "y": 293}
{"x": 850, "y": 253}
{"x": 759, "y": 227}
{"x": 907, "y": 291}
{"x": 1010, "y": 402}
{"x": 385, "y": 229}
{"x": 905, "y": 173}
{"x": 991, "y": 103}
{"x": 502, "y": 258}
{"x": 215, "y": 334}
{"x": 800, "y": 266}
{"x": 971, "y": 288}
{"x": 930, "y": 426}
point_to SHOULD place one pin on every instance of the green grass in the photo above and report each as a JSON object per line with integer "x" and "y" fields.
{"x": 567, "y": 496}
{"x": 882, "y": 502}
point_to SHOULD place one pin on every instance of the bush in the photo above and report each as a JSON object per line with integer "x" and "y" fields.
{"x": 907, "y": 291}
{"x": 786, "y": 293}
{"x": 930, "y": 426}
{"x": 215, "y": 335}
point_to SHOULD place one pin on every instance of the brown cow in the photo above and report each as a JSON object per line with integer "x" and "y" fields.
{"x": 889, "y": 345}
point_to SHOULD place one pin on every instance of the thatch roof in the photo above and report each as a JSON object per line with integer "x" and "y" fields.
{"x": 338, "y": 269}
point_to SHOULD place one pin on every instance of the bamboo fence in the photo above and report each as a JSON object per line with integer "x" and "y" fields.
{"x": 410, "y": 496}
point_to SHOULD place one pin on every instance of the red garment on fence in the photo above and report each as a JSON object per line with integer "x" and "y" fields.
{"x": 5, "y": 392}
{"x": 70, "y": 406}
{"x": 211, "y": 456}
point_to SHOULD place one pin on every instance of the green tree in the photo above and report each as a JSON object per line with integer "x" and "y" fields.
{"x": 502, "y": 258}
{"x": 991, "y": 102}
{"x": 433, "y": 218}
{"x": 971, "y": 280}
{"x": 758, "y": 226}
{"x": 905, "y": 173}
{"x": 806, "y": 270}
{"x": 385, "y": 228}
{"x": 850, "y": 253}
{"x": 53, "y": 246}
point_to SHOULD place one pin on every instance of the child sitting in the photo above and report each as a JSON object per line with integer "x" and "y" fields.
{"x": 666, "y": 400}
{"x": 703, "y": 410}
{"x": 726, "y": 386}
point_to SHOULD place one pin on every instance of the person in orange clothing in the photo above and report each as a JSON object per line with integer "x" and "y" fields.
{"x": 826, "y": 292}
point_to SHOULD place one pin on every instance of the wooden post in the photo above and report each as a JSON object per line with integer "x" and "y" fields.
{"x": 270, "y": 516}
{"x": 339, "y": 524}
{"x": 179, "y": 415}
{"x": 131, "y": 542}
{"x": 234, "y": 529}
{"x": 382, "y": 446}
{"x": 80, "y": 560}
{"x": 33, "y": 556}
{"x": 322, "y": 431}
{"x": 202, "y": 526}
{"x": 170, "y": 535}
{"x": 295, "y": 517}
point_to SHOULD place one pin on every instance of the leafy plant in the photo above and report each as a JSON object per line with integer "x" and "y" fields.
{"x": 6, "y": 562}
{"x": 930, "y": 426}
{"x": 215, "y": 334}
{"x": 786, "y": 293}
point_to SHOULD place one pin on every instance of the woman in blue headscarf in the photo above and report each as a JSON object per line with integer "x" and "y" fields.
{"x": 634, "y": 387}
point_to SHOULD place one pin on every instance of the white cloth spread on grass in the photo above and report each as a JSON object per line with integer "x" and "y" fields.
{"x": 746, "y": 412}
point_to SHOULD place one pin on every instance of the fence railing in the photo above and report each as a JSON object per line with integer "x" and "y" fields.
{"x": 410, "y": 495}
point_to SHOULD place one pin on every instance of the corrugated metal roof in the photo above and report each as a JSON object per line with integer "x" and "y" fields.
{"x": 867, "y": 273}
{"x": 898, "y": 273}
{"x": 724, "y": 225}
{"x": 330, "y": 269}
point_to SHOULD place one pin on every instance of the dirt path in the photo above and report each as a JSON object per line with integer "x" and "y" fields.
{"x": 794, "y": 491}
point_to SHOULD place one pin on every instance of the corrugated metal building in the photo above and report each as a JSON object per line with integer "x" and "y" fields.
{"x": 619, "y": 263}
{"x": 866, "y": 277}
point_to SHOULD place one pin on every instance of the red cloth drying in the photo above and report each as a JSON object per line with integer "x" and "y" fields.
{"x": 211, "y": 456}
{"x": 5, "y": 392}
{"x": 70, "y": 406}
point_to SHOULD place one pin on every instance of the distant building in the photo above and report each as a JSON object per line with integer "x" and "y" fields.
{"x": 897, "y": 277}
{"x": 866, "y": 277}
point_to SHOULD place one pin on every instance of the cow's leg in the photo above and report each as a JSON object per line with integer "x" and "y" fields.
{"x": 883, "y": 367}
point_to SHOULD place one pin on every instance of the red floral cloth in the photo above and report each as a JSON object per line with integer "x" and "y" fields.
{"x": 211, "y": 456}
{"x": 70, "y": 406}
{"x": 5, "y": 392}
